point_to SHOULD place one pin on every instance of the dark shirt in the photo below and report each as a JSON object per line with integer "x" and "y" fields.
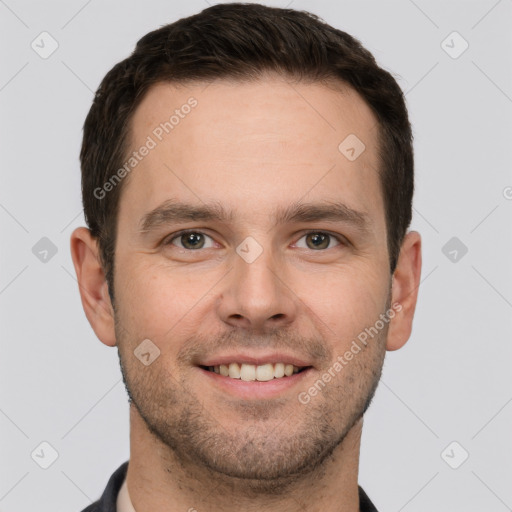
{"x": 107, "y": 502}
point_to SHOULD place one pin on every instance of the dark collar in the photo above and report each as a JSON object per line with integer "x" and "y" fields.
{"x": 107, "y": 502}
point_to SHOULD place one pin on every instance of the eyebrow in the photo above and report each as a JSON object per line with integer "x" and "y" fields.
{"x": 172, "y": 211}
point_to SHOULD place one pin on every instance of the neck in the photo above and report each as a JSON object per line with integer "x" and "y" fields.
{"x": 158, "y": 480}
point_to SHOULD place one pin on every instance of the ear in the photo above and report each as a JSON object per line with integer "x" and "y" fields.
{"x": 404, "y": 291}
{"x": 93, "y": 285}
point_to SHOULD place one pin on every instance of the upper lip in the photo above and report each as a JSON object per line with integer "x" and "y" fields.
{"x": 255, "y": 359}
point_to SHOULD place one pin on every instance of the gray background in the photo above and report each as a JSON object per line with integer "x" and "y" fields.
{"x": 451, "y": 381}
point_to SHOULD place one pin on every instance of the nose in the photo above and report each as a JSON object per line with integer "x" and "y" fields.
{"x": 255, "y": 296}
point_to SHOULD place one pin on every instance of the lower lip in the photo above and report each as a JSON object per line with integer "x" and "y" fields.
{"x": 250, "y": 390}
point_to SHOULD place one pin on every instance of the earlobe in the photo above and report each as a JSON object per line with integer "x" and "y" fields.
{"x": 92, "y": 285}
{"x": 404, "y": 291}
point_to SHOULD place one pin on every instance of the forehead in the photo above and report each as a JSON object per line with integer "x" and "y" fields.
{"x": 253, "y": 145}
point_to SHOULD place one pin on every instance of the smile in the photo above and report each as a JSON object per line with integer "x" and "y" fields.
{"x": 252, "y": 372}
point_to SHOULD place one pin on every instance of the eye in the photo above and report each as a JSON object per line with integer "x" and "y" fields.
{"x": 190, "y": 240}
{"x": 194, "y": 240}
{"x": 319, "y": 240}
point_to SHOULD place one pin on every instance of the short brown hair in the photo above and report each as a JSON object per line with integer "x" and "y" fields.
{"x": 242, "y": 41}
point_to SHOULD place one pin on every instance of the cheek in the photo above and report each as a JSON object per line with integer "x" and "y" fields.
{"x": 157, "y": 299}
{"x": 345, "y": 302}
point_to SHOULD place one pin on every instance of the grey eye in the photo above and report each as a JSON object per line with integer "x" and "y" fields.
{"x": 316, "y": 240}
{"x": 192, "y": 240}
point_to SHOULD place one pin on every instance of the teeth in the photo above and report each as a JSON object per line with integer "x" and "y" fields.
{"x": 251, "y": 372}
{"x": 278, "y": 370}
{"x": 248, "y": 372}
{"x": 265, "y": 372}
{"x": 234, "y": 371}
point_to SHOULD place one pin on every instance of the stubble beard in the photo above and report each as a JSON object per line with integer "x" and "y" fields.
{"x": 266, "y": 452}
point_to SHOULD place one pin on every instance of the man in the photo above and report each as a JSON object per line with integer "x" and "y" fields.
{"x": 247, "y": 181}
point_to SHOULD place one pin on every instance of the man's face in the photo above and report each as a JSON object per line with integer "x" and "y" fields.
{"x": 258, "y": 286}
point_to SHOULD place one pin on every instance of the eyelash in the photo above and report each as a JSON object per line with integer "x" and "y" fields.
{"x": 174, "y": 236}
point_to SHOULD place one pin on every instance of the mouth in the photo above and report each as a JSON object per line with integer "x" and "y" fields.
{"x": 251, "y": 372}
{"x": 255, "y": 375}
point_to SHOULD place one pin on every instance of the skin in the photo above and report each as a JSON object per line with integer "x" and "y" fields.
{"x": 252, "y": 147}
